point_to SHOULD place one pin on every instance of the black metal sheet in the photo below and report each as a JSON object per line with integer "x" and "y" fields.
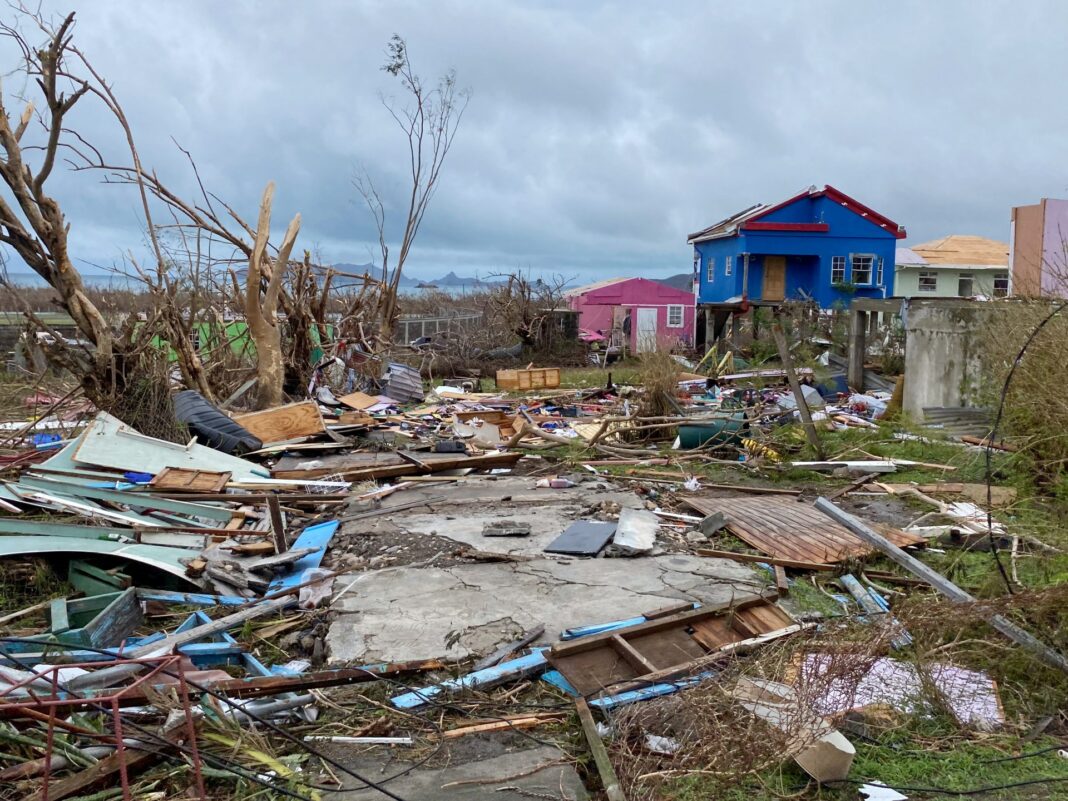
{"x": 582, "y": 538}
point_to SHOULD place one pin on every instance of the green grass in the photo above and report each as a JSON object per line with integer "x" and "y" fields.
{"x": 910, "y": 763}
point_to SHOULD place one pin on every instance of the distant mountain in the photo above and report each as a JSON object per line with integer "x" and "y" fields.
{"x": 683, "y": 281}
{"x": 373, "y": 271}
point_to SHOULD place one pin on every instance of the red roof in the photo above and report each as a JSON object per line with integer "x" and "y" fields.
{"x": 730, "y": 226}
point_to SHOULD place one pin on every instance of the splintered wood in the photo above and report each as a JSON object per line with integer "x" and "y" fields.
{"x": 789, "y": 530}
{"x": 284, "y": 422}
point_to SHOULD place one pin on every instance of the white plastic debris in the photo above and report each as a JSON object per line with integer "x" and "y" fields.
{"x": 313, "y": 595}
{"x": 555, "y": 483}
{"x": 661, "y": 745}
{"x": 877, "y": 791}
{"x": 691, "y": 484}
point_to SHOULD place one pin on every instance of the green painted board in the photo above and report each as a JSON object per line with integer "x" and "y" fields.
{"x": 159, "y": 557}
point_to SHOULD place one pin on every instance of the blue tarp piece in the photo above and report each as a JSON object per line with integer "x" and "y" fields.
{"x": 318, "y": 537}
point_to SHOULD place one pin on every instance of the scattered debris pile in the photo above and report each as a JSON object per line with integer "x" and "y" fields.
{"x": 338, "y": 593}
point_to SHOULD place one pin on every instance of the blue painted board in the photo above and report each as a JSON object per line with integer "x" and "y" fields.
{"x": 490, "y": 677}
{"x": 318, "y": 537}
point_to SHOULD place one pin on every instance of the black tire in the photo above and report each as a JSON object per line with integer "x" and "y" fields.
{"x": 211, "y": 426}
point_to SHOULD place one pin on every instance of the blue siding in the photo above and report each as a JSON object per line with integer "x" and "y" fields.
{"x": 808, "y": 255}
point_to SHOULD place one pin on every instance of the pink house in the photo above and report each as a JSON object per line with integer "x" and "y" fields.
{"x": 637, "y": 312}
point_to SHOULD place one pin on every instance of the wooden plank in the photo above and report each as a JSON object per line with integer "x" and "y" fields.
{"x": 508, "y": 724}
{"x": 181, "y": 479}
{"x": 631, "y": 655}
{"x": 284, "y": 422}
{"x": 781, "y": 582}
{"x": 600, "y": 754}
{"x": 942, "y": 584}
{"x": 359, "y": 401}
{"x": 566, "y": 648}
{"x": 394, "y": 470}
{"x": 278, "y": 526}
{"x": 507, "y": 650}
{"x": 795, "y": 386}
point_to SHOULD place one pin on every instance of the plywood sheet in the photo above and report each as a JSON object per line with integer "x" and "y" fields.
{"x": 788, "y": 529}
{"x": 282, "y": 423}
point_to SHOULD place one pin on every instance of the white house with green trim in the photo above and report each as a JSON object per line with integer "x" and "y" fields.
{"x": 953, "y": 267}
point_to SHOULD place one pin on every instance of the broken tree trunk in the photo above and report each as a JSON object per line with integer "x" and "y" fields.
{"x": 261, "y": 305}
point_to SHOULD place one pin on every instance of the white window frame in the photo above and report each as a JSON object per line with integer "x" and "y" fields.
{"x": 853, "y": 257}
{"x": 879, "y": 273}
{"x": 927, "y": 275}
{"x": 710, "y": 272}
{"x": 672, "y": 309}
{"x": 1004, "y": 291}
{"x": 838, "y": 263}
{"x": 970, "y": 277}
{"x": 728, "y": 266}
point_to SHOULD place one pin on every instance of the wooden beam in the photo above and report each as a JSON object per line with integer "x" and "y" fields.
{"x": 599, "y": 752}
{"x": 942, "y": 584}
{"x": 278, "y": 526}
{"x": 795, "y": 386}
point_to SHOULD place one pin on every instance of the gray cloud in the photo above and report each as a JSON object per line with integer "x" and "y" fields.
{"x": 598, "y": 134}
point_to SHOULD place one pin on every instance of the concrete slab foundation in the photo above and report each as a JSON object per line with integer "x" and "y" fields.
{"x": 415, "y": 613}
{"x": 479, "y": 779}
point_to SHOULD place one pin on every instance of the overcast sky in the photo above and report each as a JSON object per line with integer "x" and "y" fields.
{"x": 598, "y": 134}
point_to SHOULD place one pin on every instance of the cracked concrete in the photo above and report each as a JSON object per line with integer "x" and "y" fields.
{"x": 548, "y": 775}
{"x": 469, "y": 507}
{"x": 420, "y": 613}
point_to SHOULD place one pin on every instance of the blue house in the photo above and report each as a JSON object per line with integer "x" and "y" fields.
{"x": 820, "y": 246}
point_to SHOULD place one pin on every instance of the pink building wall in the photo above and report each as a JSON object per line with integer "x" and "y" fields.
{"x": 595, "y": 308}
{"x": 1038, "y": 255}
{"x": 1055, "y": 248}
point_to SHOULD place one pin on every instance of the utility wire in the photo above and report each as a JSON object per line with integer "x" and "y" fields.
{"x": 992, "y": 438}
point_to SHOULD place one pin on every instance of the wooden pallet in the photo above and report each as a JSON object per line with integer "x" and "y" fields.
{"x": 623, "y": 656}
{"x": 536, "y": 378}
{"x": 182, "y": 479}
{"x": 789, "y": 530}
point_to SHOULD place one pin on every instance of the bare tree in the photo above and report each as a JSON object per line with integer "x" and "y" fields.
{"x": 112, "y": 362}
{"x": 527, "y": 307}
{"x": 429, "y": 124}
